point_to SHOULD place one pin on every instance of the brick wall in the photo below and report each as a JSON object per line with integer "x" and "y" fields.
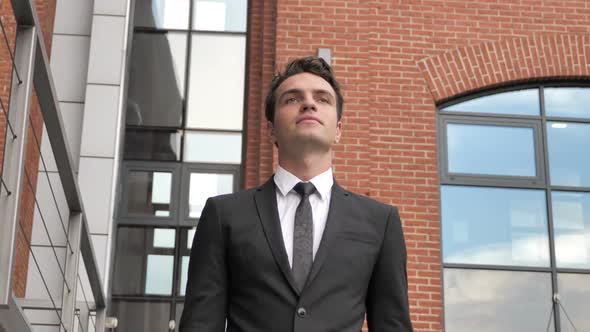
{"x": 396, "y": 59}
{"x": 46, "y": 13}
{"x": 260, "y": 67}
{"x": 5, "y": 67}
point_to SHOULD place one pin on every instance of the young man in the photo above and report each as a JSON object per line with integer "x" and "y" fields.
{"x": 299, "y": 253}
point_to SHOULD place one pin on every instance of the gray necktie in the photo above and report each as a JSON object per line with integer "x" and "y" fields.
{"x": 303, "y": 235}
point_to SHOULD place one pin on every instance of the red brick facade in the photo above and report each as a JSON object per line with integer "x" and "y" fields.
{"x": 46, "y": 12}
{"x": 396, "y": 61}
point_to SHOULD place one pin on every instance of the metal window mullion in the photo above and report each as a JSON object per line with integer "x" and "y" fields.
{"x": 15, "y": 155}
{"x": 71, "y": 273}
{"x": 549, "y": 200}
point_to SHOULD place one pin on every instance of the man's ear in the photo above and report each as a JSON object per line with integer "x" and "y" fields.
{"x": 338, "y": 132}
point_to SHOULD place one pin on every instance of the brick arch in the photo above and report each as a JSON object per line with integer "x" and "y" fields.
{"x": 516, "y": 60}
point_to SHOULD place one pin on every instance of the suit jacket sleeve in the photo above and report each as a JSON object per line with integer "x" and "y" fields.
{"x": 205, "y": 304}
{"x": 387, "y": 296}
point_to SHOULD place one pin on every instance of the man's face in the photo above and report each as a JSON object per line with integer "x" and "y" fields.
{"x": 306, "y": 113}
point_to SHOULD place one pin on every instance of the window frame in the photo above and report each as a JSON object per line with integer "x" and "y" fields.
{"x": 542, "y": 160}
{"x": 447, "y": 177}
{"x": 126, "y": 218}
{"x": 187, "y": 169}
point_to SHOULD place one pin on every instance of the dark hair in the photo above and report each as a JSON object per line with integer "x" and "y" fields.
{"x": 312, "y": 65}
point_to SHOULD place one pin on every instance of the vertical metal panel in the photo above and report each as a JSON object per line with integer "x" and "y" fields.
{"x": 14, "y": 157}
{"x": 101, "y": 314}
{"x": 71, "y": 274}
{"x": 84, "y": 318}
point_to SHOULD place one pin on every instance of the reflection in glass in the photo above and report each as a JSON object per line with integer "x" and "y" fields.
{"x": 567, "y": 102}
{"x": 129, "y": 260}
{"x": 190, "y": 237}
{"x": 141, "y": 316}
{"x": 220, "y": 15}
{"x": 569, "y": 157}
{"x": 179, "y": 310}
{"x": 492, "y": 150}
{"x": 211, "y": 147}
{"x": 144, "y": 261}
{"x": 574, "y": 292}
{"x": 205, "y": 185}
{"x": 520, "y": 102}
{"x": 164, "y": 238}
{"x": 149, "y": 193}
{"x": 156, "y": 79}
{"x": 164, "y": 14}
{"x": 571, "y": 221}
{"x": 183, "y": 275}
{"x": 494, "y": 226}
{"x": 158, "y": 280}
{"x": 492, "y": 301}
{"x": 216, "y": 92}
{"x": 161, "y": 145}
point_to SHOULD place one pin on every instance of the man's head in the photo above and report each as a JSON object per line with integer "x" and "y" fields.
{"x": 304, "y": 106}
{"x": 312, "y": 65}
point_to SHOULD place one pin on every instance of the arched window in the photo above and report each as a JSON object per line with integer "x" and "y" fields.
{"x": 515, "y": 209}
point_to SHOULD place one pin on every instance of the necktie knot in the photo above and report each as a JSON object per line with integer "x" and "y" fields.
{"x": 304, "y": 188}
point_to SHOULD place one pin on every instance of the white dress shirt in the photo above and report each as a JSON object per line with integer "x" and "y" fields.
{"x": 288, "y": 200}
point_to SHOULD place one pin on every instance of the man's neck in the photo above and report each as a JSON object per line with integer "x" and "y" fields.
{"x": 306, "y": 167}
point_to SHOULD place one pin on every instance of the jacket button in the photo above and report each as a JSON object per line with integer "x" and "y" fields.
{"x": 301, "y": 312}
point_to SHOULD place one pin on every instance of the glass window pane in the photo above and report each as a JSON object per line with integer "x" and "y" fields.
{"x": 205, "y": 185}
{"x": 141, "y": 316}
{"x": 149, "y": 193}
{"x": 220, "y": 15}
{"x": 224, "y": 148}
{"x": 183, "y": 275}
{"x": 159, "y": 271}
{"x": 495, "y": 226}
{"x": 190, "y": 237}
{"x": 164, "y": 238}
{"x": 156, "y": 79}
{"x": 179, "y": 310}
{"x": 164, "y": 14}
{"x": 520, "y": 102}
{"x": 216, "y": 91}
{"x": 161, "y": 145}
{"x": 129, "y": 262}
{"x": 567, "y": 102}
{"x": 139, "y": 269}
{"x": 492, "y": 150}
{"x": 492, "y": 301}
{"x": 571, "y": 220}
{"x": 569, "y": 157}
{"x": 574, "y": 293}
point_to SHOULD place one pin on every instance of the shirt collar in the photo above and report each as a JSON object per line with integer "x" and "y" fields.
{"x": 285, "y": 181}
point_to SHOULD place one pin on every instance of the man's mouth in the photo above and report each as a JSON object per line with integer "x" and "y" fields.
{"x": 309, "y": 119}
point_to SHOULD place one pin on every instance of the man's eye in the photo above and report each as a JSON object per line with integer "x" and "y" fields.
{"x": 324, "y": 100}
{"x": 291, "y": 100}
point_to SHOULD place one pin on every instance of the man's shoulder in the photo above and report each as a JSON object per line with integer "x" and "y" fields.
{"x": 367, "y": 202}
{"x": 235, "y": 196}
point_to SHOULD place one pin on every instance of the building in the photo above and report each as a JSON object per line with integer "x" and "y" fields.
{"x": 470, "y": 116}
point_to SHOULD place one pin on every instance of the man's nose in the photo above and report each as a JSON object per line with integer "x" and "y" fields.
{"x": 308, "y": 104}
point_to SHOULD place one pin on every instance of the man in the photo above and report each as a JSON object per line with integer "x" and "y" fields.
{"x": 299, "y": 253}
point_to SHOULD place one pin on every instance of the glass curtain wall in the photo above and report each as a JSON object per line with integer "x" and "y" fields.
{"x": 183, "y": 144}
{"x": 515, "y": 210}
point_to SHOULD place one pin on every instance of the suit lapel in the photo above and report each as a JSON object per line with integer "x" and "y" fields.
{"x": 266, "y": 203}
{"x": 334, "y": 221}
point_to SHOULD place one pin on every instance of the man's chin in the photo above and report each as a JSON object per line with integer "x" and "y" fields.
{"x": 311, "y": 142}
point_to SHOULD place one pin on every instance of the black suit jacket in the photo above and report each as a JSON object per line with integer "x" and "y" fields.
{"x": 239, "y": 269}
